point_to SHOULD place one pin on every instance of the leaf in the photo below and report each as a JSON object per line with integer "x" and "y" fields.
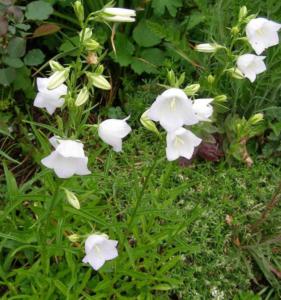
{"x": 7, "y": 76}
{"x": 45, "y": 29}
{"x": 69, "y": 45}
{"x": 12, "y": 62}
{"x": 160, "y": 6}
{"x": 124, "y": 50}
{"x": 34, "y": 57}
{"x": 38, "y": 10}
{"x": 148, "y": 61}
{"x": 144, "y": 36}
{"x": 16, "y": 47}
{"x": 23, "y": 82}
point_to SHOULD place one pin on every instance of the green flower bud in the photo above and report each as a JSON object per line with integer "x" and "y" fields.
{"x": 243, "y": 13}
{"x": 74, "y": 238}
{"x": 98, "y": 81}
{"x": 211, "y": 79}
{"x": 58, "y": 78}
{"x": 220, "y": 99}
{"x": 171, "y": 77}
{"x": 91, "y": 45}
{"x": 79, "y": 11}
{"x": 55, "y": 66}
{"x": 236, "y": 73}
{"x": 207, "y": 48}
{"x": 256, "y": 118}
{"x": 87, "y": 34}
{"x": 82, "y": 97}
{"x": 235, "y": 30}
{"x": 191, "y": 89}
{"x": 72, "y": 199}
{"x": 148, "y": 124}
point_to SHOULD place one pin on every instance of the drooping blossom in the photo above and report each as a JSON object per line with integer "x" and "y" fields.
{"x": 112, "y": 131}
{"x": 251, "y": 65}
{"x": 181, "y": 143}
{"x": 202, "y": 109}
{"x": 49, "y": 99}
{"x": 67, "y": 159}
{"x": 116, "y": 14}
{"x": 262, "y": 34}
{"x": 172, "y": 109}
{"x": 99, "y": 248}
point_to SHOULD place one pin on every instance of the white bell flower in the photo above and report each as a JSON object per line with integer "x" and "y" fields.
{"x": 202, "y": 109}
{"x": 49, "y": 99}
{"x": 116, "y": 14}
{"x": 181, "y": 143}
{"x": 172, "y": 109}
{"x": 251, "y": 65}
{"x": 112, "y": 131}
{"x": 99, "y": 249}
{"x": 262, "y": 34}
{"x": 67, "y": 159}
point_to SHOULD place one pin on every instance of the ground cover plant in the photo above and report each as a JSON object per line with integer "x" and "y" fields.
{"x": 140, "y": 150}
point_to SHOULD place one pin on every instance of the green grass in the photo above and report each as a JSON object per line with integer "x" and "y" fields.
{"x": 178, "y": 246}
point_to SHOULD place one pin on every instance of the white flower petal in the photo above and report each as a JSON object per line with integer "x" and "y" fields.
{"x": 109, "y": 250}
{"x": 69, "y": 148}
{"x": 181, "y": 142}
{"x": 81, "y": 166}
{"x": 94, "y": 259}
{"x": 202, "y": 108}
{"x": 92, "y": 240}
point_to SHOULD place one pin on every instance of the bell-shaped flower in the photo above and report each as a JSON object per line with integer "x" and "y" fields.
{"x": 181, "y": 143}
{"x": 116, "y": 14}
{"x": 112, "y": 131}
{"x": 251, "y": 65}
{"x": 262, "y": 34}
{"x": 49, "y": 99}
{"x": 172, "y": 109}
{"x": 99, "y": 248}
{"x": 202, "y": 109}
{"x": 67, "y": 159}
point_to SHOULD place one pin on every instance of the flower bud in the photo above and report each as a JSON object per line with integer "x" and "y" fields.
{"x": 79, "y": 11}
{"x": 220, "y": 99}
{"x": 115, "y": 14}
{"x": 211, "y": 79}
{"x": 236, "y": 73}
{"x": 99, "y": 70}
{"x": 58, "y": 78}
{"x": 148, "y": 124}
{"x": 74, "y": 237}
{"x": 72, "y": 199}
{"x": 87, "y": 34}
{"x": 82, "y": 97}
{"x": 171, "y": 77}
{"x": 98, "y": 81}
{"x": 243, "y": 13}
{"x": 235, "y": 30}
{"x": 55, "y": 66}
{"x": 207, "y": 48}
{"x": 256, "y": 118}
{"x": 91, "y": 45}
{"x": 192, "y": 89}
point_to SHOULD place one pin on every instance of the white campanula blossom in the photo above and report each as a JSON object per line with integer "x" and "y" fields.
{"x": 262, "y": 34}
{"x": 112, "y": 131}
{"x": 181, "y": 143}
{"x": 67, "y": 159}
{"x": 116, "y": 14}
{"x": 202, "y": 109}
{"x": 99, "y": 248}
{"x": 172, "y": 109}
{"x": 49, "y": 99}
{"x": 251, "y": 65}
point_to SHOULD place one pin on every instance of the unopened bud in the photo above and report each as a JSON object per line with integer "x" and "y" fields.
{"x": 91, "y": 45}
{"x": 191, "y": 89}
{"x": 236, "y": 73}
{"x": 72, "y": 199}
{"x": 79, "y": 11}
{"x": 85, "y": 34}
{"x": 148, "y": 124}
{"x": 256, "y": 118}
{"x": 58, "y": 78}
{"x": 235, "y": 30}
{"x": 82, "y": 97}
{"x": 243, "y": 13}
{"x": 220, "y": 99}
{"x": 207, "y": 48}
{"x": 98, "y": 81}
{"x": 74, "y": 238}
{"x": 171, "y": 77}
{"x": 99, "y": 70}
{"x": 55, "y": 66}
{"x": 211, "y": 79}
